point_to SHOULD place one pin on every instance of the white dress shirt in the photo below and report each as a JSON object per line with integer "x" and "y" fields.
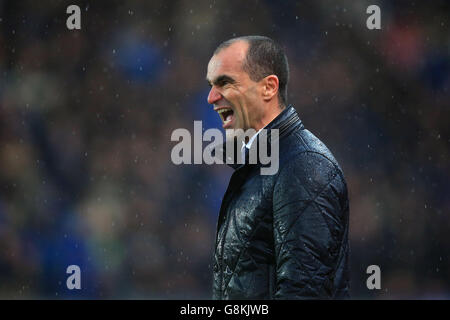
{"x": 248, "y": 144}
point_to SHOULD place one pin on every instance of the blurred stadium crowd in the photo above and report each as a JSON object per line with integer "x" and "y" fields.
{"x": 86, "y": 118}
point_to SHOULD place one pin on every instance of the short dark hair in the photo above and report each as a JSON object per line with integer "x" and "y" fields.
{"x": 264, "y": 57}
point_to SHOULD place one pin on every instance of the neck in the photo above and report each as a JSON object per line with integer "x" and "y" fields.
{"x": 271, "y": 113}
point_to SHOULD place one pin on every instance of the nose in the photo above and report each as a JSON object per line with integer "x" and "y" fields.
{"x": 214, "y": 95}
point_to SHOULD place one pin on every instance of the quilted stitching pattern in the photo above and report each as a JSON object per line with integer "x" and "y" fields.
{"x": 294, "y": 223}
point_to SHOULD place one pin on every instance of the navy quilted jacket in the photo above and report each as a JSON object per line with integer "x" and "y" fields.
{"x": 285, "y": 236}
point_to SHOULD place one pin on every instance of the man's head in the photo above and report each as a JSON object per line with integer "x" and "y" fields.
{"x": 248, "y": 78}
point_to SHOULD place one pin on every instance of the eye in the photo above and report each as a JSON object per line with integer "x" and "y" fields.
{"x": 223, "y": 83}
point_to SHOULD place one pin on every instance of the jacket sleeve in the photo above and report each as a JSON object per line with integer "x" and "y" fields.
{"x": 308, "y": 229}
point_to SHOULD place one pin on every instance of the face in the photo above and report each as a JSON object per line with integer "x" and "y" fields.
{"x": 235, "y": 97}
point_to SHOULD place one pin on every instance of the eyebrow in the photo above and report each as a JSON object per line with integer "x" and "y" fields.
{"x": 221, "y": 79}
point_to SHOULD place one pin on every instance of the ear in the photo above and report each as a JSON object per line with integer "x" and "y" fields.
{"x": 270, "y": 87}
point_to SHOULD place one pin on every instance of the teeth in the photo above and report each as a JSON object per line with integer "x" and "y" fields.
{"x": 223, "y": 110}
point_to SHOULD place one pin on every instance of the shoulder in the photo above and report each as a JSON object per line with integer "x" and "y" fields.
{"x": 302, "y": 143}
{"x": 306, "y": 160}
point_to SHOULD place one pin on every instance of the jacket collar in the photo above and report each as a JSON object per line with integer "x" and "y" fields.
{"x": 285, "y": 122}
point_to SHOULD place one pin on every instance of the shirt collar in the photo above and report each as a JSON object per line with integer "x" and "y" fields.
{"x": 249, "y": 143}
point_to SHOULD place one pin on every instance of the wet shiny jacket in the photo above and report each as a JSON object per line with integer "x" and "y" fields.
{"x": 285, "y": 236}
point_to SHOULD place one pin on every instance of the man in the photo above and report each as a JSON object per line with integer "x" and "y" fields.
{"x": 280, "y": 236}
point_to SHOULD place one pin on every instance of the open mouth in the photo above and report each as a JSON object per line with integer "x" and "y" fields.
{"x": 226, "y": 114}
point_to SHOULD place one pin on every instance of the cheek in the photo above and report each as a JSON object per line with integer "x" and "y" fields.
{"x": 228, "y": 94}
{"x": 233, "y": 96}
{"x": 240, "y": 101}
{"x": 254, "y": 96}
